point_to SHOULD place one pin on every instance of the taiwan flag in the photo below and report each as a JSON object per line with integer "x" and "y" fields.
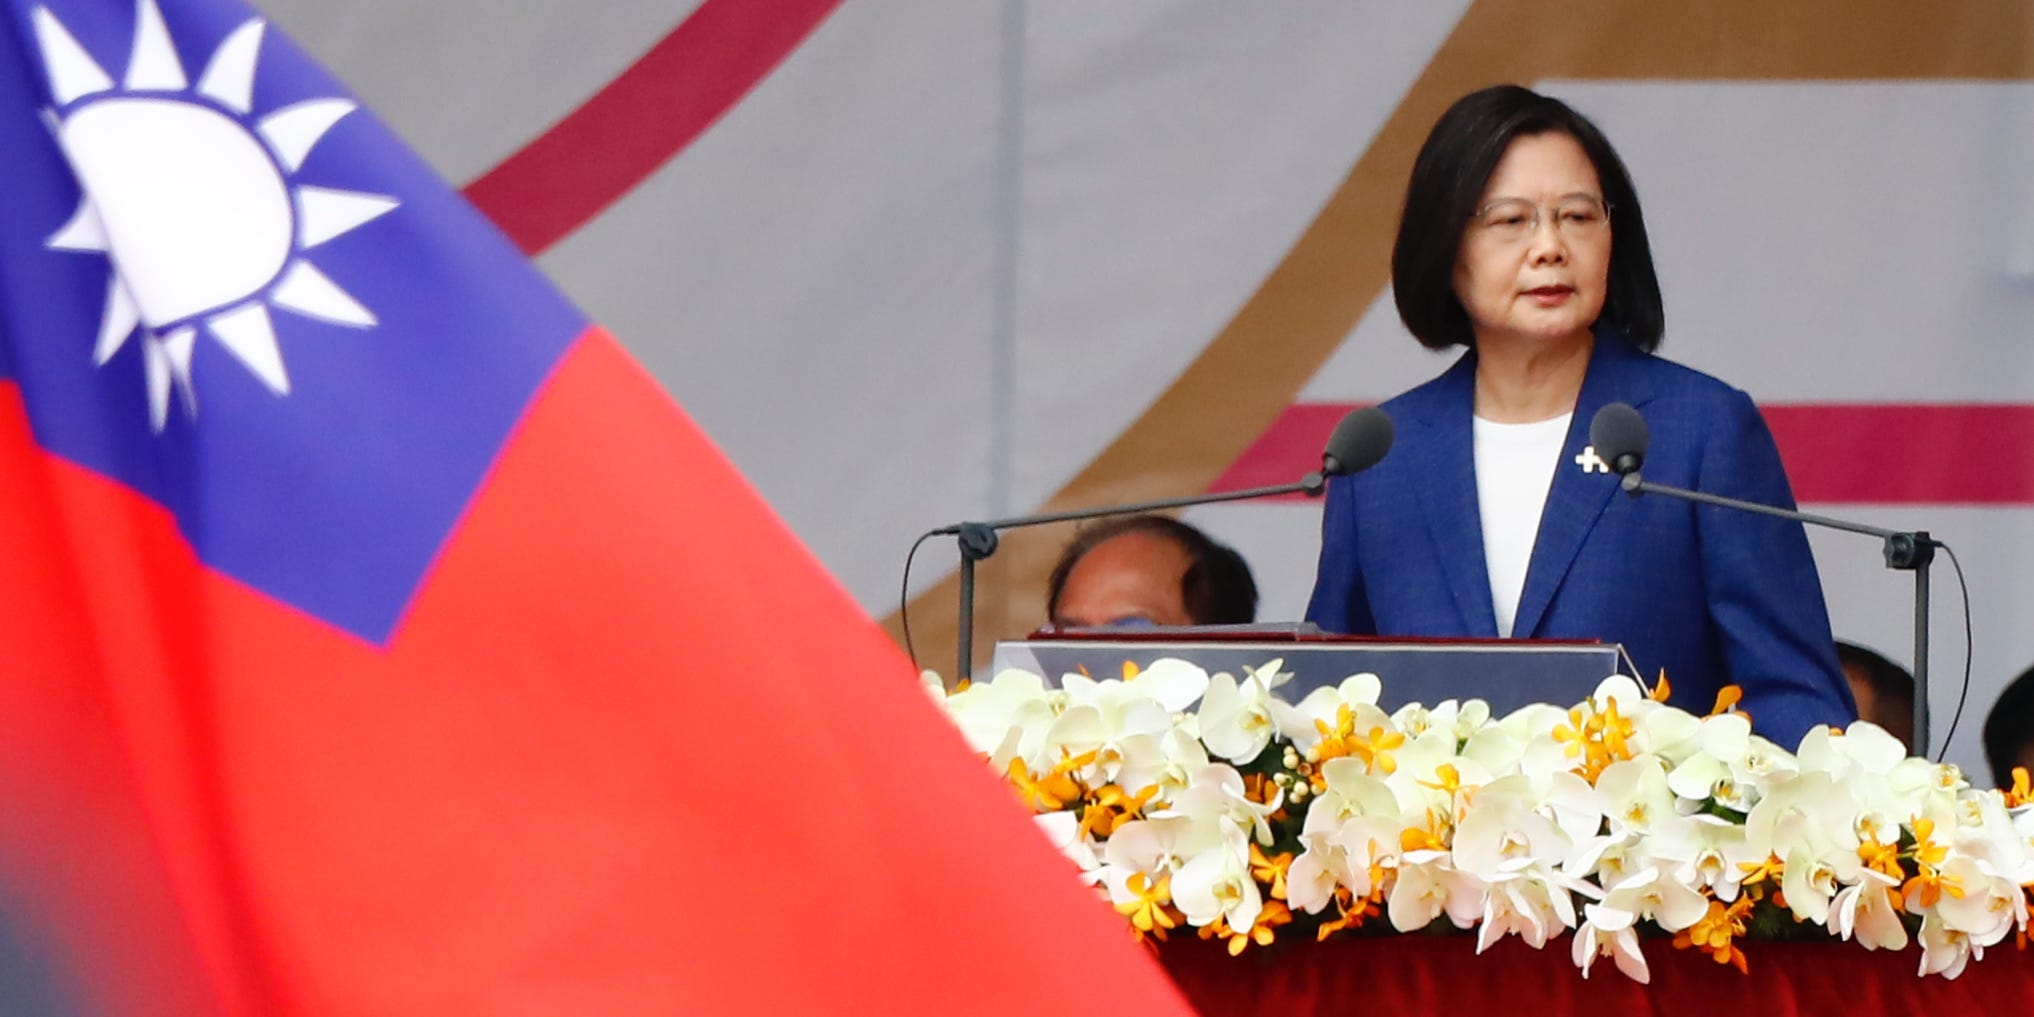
{"x": 375, "y": 637}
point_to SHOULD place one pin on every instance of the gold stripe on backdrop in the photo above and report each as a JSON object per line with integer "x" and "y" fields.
{"x": 1280, "y": 338}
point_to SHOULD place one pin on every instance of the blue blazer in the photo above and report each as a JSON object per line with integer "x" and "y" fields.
{"x": 1711, "y": 595}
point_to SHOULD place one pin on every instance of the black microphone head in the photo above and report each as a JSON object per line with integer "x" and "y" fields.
{"x": 1619, "y": 436}
{"x": 1359, "y": 442}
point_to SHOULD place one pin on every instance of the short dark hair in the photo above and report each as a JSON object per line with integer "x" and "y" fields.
{"x": 1448, "y": 178}
{"x": 1217, "y": 588}
{"x": 2009, "y": 727}
{"x": 1890, "y": 682}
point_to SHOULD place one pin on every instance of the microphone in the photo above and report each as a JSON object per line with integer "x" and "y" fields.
{"x": 1360, "y": 440}
{"x": 1619, "y": 435}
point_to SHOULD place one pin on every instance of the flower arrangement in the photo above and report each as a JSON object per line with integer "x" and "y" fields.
{"x": 1251, "y": 817}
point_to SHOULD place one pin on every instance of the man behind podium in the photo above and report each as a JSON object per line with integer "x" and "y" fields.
{"x": 1149, "y": 570}
{"x": 1522, "y": 239}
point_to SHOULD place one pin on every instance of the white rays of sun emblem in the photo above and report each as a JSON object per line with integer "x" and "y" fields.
{"x": 194, "y": 201}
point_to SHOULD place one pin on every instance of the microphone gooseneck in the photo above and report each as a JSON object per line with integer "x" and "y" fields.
{"x": 1359, "y": 442}
{"x": 1619, "y": 436}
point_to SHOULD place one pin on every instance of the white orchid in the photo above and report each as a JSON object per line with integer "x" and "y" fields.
{"x": 1304, "y": 723}
{"x": 1217, "y": 884}
{"x": 1503, "y": 832}
{"x": 1181, "y": 756}
{"x": 1361, "y": 854}
{"x": 1987, "y": 832}
{"x": 1121, "y": 727}
{"x": 1861, "y": 750}
{"x": 1063, "y": 829}
{"x": 1864, "y": 911}
{"x": 1352, "y": 824}
{"x": 1707, "y": 852}
{"x": 1374, "y": 847}
{"x": 1006, "y": 717}
{"x": 1427, "y": 886}
{"x": 1528, "y": 904}
{"x": 1729, "y": 764}
{"x": 1176, "y": 684}
{"x": 1984, "y": 907}
{"x": 2023, "y": 823}
{"x": 1623, "y": 690}
{"x": 1945, "y": 950}
{"x": 1668, "y": 733}
{"x": 1635, "y": 796}
{"x": 1321, "y": 866}
{"x": 1235, "y": 719}
{"x": 1414, "y": 719}
{"x": 1885, "y": 787}
{"x": 1426, "y": 773}
{"x": 1609, "y": 858}
{"x": 1217, "y": 793}
{"x": 1522, "y": 743}
{"x": 1153, "y": 848}
{"x": 1608, "y": 932}
{"x": 1809, "y": 826}
{"x": 1457, "y": 718}
{"x": 1348, "y": 791}
{"x": 1654, "y": 895}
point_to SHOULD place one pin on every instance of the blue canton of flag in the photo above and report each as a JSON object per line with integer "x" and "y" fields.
{"x": 230, "y": 289}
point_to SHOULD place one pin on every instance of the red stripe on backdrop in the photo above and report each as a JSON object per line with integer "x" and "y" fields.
{"x": 642, "y": 118}
{"x": 1866, "y": 453}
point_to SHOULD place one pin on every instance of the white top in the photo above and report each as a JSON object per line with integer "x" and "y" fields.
{"x": 1514, "y": 469}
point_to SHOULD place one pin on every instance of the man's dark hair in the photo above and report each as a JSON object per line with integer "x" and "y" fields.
{"x": 2009, "y": 727}
{"x": 1891, "y": 685}
{"x": 1448, "y": 178}
{"x": 1217, "y": 588}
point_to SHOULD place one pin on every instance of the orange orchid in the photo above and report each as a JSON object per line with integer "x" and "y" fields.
{"x": 1661, "y": 690}
{"x": 1595, "y": 737}
{"x": 1727, "y": 699}
{"x": 1350, "y": 913}
{"x": 1716, "y": 933}
{"x": 1151, "y": 913}
{"x": 1275, "y": 914}
{"x": 1375, "y": 749}
{"x": 1929, "y": 883}
{"x": 1423, "y": 838}
{"x": 2020, "y": 793}
{"x": 1270, "y": 871}
{"x": 1759, "y": 872}
{"x": 1110, "y": 806}
{"x": 1050, "y": 791}
{"x": 1337, "y": 740}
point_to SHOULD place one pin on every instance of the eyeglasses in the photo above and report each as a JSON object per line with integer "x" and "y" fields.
{"x": 1512, "y": 220}
{"x": 1128, "y": 621}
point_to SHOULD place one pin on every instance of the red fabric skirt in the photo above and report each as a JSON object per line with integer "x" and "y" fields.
{"x": 1443, "y": 975}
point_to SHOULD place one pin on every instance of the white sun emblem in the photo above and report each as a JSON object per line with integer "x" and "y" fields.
{"x": 195, "y": 203}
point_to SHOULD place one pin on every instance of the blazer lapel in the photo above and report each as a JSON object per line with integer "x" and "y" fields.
{"x": 1576, "y": 499}
{"x": 1446, "y": 486}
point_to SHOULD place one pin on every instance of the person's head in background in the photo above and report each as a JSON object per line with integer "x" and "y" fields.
{"x": 1149, "y": 570}
{"x": 1884, "y": 690}
{"x": 2009, "y": 730}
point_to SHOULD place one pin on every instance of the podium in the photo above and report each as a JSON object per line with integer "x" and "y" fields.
{"x": 1506, "y": 673}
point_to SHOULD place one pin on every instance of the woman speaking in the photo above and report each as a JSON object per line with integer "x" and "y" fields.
{"x": 1522, "y": 240}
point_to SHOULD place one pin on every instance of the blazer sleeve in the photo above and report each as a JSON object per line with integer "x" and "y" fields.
{"x": 1764, "y": 595}
{"x": 1339, "y": 603}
